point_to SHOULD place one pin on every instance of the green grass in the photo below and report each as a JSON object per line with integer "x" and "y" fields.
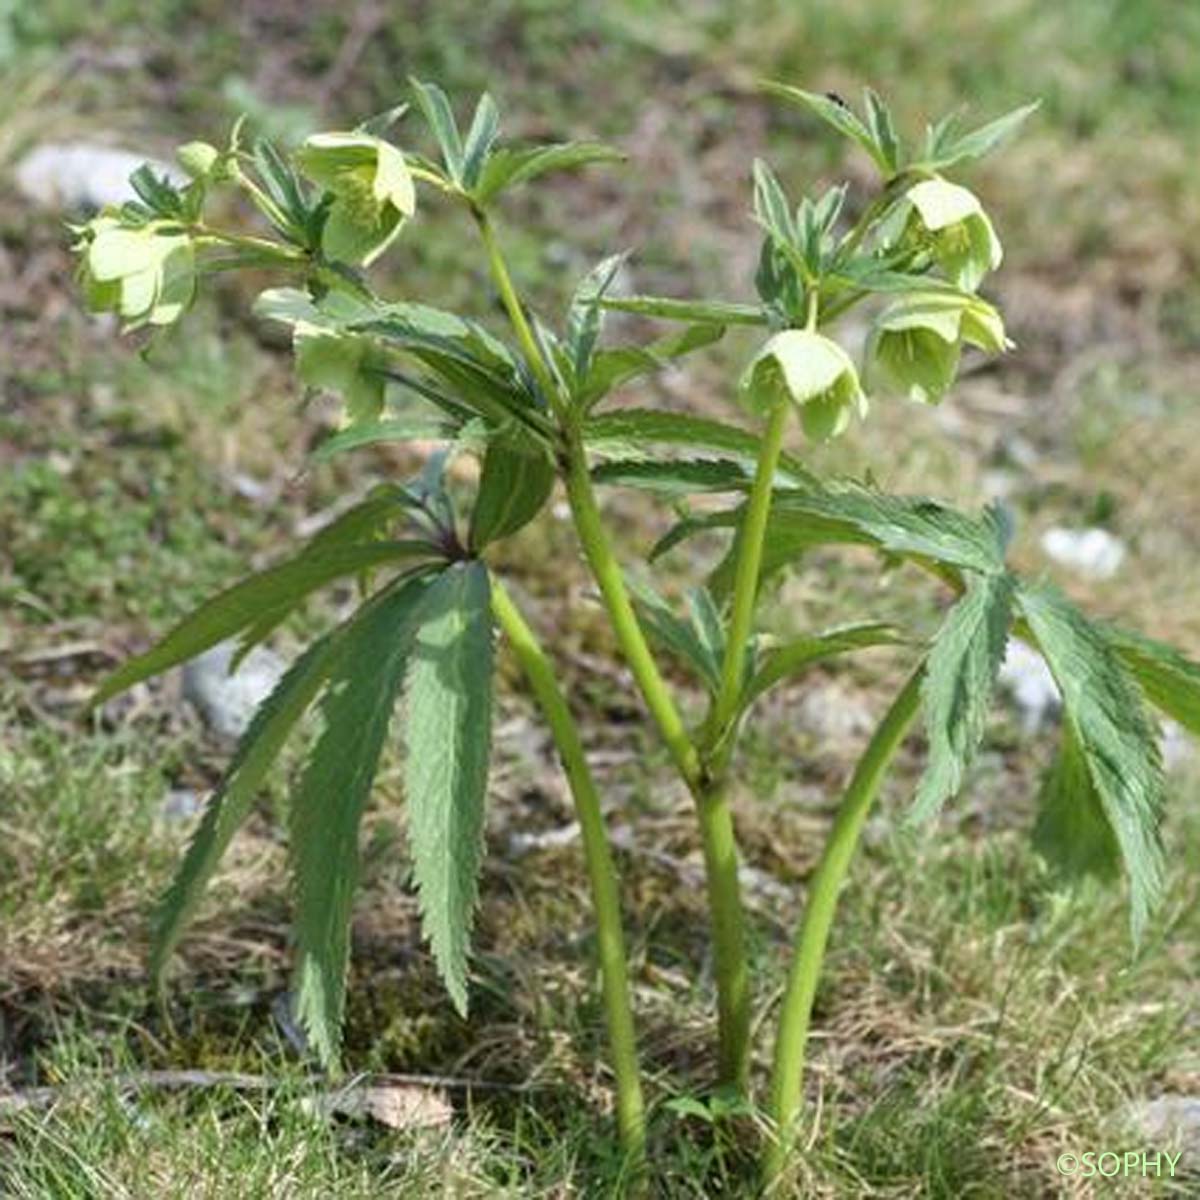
{"x": 974, "y": 1023}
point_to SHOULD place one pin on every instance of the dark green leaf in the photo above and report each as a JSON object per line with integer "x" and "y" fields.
{"x": 612, "y": 369}
{"x": 1106, "y": 715}
{"x": 230, "y": 805}
{"x": 960, "y": 677}
{"x": 629, "y": 431}
{"x": 447, "y": 738}
{"x": 675, "y": 476}
{"x": 278, "y": 589}
{"x": 516, "y": 481}
{"x": 691, "y": 643}
{"x": 328, "y": 805}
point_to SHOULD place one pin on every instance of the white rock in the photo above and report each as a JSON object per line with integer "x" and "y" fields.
{"x": 180, "y": 804}
{"x": 1027, "y": 679}
{"x": 228, "y": 702}
{"x": 82, "y": 175}
{"x": 1178, "y": 749}
{"x": 1094, "y": 553}
{"x": 1168, "y": 1121}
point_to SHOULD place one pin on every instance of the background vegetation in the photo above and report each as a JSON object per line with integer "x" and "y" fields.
{"x": 973, "y": 1024}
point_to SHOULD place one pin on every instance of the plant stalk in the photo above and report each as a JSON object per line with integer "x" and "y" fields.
{"x": 787, "y": 1077}
{"x": 602, "y": 876}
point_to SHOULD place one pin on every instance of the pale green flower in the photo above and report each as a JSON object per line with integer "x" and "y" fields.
{"x": 963, "y": 239}
{"x": 812, "y": 372}
{"x": 145, "y": 273}
{"x": 371, "y": 188}
{"x": 915, "y": 344}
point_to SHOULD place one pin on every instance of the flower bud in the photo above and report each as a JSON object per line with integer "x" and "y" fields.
{"x": 198, "y": 158}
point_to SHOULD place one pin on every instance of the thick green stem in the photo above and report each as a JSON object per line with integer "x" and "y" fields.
{"x": 602, "y": 875}
{"x": 787, "y": 1077}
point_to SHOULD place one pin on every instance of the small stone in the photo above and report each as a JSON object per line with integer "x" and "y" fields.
{"x": 180, "y": 804}
{"x": 74, "y": 176}
{"x": 1178, "y": 749}
{"x": 1026, "y": 678}
{"x": 228, "y": 702}
{"x": 1094, "y": 553}
{"x": 834, "y": 714}
{"x": 1168, "y": 1121}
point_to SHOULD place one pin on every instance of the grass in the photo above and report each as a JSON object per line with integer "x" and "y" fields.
{"x": 974, "y": 1022}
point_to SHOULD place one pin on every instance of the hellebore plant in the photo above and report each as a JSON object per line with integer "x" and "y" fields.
{"x": 534, "y": 409}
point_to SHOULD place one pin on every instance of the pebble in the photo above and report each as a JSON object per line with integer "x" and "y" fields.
{"x": 228, "y": 702}
{"x": 1093, "y": 553}
{"x": 75, "y": 176}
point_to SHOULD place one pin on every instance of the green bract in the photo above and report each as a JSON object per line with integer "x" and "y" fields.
{"x": 964, "y": 242}
{"x": 372, "y": 192}
{"x": 813, "y": 373}
{"x": 144, "y": 273}
{"x": 915, "y": 342}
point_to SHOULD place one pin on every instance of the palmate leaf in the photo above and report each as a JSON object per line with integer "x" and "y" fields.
{"x": 230, "y": 805}
{"x": 1170, "y": 681}
{"x": 269, "y": 594}
{"x": 1106, "y": 716}
{"x": 960, "y": 677}
{"x": 327, "y": 807}
{"x": 447, "y": 741}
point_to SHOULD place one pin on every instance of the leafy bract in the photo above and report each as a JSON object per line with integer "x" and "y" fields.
{"x": 792, "y": 657}
{"x": 230, "y": 805}
{"x": 960, "y": 676}
{"x": 276, "y": 591}
{"x": 835, "y": 112}
{"x": 1105, "y": 714}
{"x": 327, "y": 807}
{"x": 507, "y": 168}
{"x": 447, "y": 741}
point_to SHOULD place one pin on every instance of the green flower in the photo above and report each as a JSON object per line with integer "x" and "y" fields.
{"x": 811, "y": 372}
{"x": 145, "y": 273}
{"x": 964, "y": 242}
{"x": 371, "y": 189}
{"x": 915, "y": 344}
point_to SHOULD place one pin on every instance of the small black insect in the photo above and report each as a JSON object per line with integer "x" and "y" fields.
{"x": 837, "y": 100}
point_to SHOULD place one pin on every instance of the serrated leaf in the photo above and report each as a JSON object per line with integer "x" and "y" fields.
{"x": 833, "y": 112}
{"x": 960, "y": 677}
{"x": 230, "y": 805}
{"x": 372, "y": 433}
{"x": 517, "y": 479}
{"x": 1170, "y": 681}
{"x": 1105, "y": 713}
{"x": 584, "y": 314}
{"x": 229, "y": 612}
{"x": 627, "y": 431}
{"x": 713, "y": 312}
{"x": 509, "y": 168}
{"x": 675, "y": 476}
{"x": 1072, "y": 831}
{"x": 798, "y": 654}
{"x": 435, "y": 107}
{"x": 327, "y": 807}
{"x": 447, "y": 739}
